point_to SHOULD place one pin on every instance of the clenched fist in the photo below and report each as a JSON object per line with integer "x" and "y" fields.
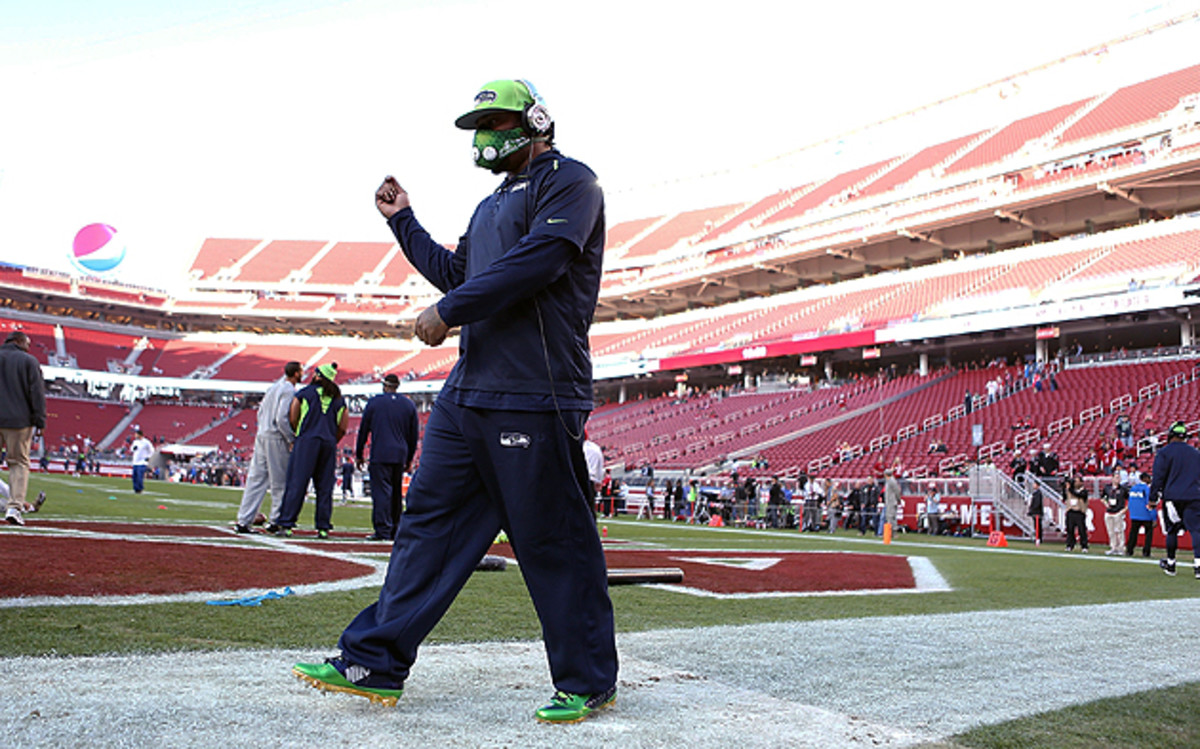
{"x": 430, "y": 328}
{"x": 390, "y": 198}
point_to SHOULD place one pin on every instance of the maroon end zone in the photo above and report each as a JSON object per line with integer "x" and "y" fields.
{"x": 44, "y": 565}
{"x": 41, "y": 565}
{"x": 781, "y": 572}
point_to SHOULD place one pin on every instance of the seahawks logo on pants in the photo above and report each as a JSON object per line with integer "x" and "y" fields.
{"x": 515, "y": 439}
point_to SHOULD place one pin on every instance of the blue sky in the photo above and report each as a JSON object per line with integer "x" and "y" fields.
{"x": 269, "y": 119}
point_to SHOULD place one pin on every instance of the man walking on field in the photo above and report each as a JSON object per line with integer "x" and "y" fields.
{"x": 503, "y": 448}
{"x": 22, "y": 410}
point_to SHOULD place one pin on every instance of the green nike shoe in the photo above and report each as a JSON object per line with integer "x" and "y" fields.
{"x": 339, "y": 675}
{"x": 572, "y": 708}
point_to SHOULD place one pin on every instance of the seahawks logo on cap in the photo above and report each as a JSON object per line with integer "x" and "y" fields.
{"x": 485, "y": 97}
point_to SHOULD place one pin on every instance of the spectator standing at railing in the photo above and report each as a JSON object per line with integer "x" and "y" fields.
{"x": 1124, "y": 430}
{"x": 1019, "y": 466}
{"x": 1141, "y": 517}
{"x": 1045, "y": 464}
{"x": 1115, "y": 497}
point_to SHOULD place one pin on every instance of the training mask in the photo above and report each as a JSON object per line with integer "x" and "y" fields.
{"x": 493, "y": 146}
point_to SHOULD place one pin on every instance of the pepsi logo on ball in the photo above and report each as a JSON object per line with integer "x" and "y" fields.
{"x": 97, "y": 249}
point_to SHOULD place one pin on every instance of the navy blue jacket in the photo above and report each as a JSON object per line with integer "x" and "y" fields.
{"x": 319, "y": 415}
{"x": 22, "y": 391}
{"x": 390, "y": 420}
{"x": 1176, "y": 473}
{"x": 523, "y": 284}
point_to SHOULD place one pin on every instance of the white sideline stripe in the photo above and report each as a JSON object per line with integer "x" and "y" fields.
{"x": 894, "y": 681}
{"x": 876, "y": 541}
{"x": 926, "y": 579}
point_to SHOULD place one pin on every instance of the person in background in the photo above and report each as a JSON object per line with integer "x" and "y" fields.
{"x": 647, "y": 508}
{"x": 1075, "y": 495}
{"x": 390, "y": 423}
{"x": 347, "y": 478}
{"x": 1036, "y": 511}
{"x": 272, "y": 443}
{"x": 142, "y": 450}
{"x": 933, "y": 509}
{"x": 891, "y": 499}
{"x": 1175, "y": 483}
{"x": 833, "y": 506}
{"x": 1141, "y": 517}
{"x": 678, "y": 504}
{"x": 22, "y": 413}
{"x": 594, "y": 455}
{"x": 318, "y": 415}
{"x": 1115, "y": 497}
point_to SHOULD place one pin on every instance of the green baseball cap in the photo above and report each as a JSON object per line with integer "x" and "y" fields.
{"x": 328, "y": 371}
{"x": 496, "y": 96}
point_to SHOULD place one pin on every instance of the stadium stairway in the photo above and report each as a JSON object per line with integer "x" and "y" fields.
{"x": 196, "y": 434}
{"x": 117, "y": 431}
{"x": 840, "y": 418}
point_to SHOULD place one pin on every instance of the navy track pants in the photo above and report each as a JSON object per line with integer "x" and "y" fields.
{"x": 312, "y": 459}
{"x": 483, "y": 470}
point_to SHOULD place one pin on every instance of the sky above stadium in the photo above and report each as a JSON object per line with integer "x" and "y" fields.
{"x": 173, "y": 122}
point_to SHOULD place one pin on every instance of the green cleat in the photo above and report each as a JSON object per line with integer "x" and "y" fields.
{"x": 339, "y": 675}
{"x": 572, "y": 708}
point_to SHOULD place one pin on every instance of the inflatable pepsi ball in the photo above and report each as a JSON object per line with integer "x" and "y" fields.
{"x": 98, "y": 249}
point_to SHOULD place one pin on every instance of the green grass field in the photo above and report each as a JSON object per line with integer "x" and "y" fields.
{"x": 495, "y": 607}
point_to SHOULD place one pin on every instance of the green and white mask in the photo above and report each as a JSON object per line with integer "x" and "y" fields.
{"x": 491, "y": 147}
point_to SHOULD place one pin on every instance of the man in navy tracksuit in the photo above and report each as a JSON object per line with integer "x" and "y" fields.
{"x": 318, "y": 416}
{"x": 390, "y": 422}
{"x": 1175, "y": 482}
{"x": 503, "y": 448}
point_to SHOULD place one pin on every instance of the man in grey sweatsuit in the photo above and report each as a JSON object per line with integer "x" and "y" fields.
{"x": 272, "y": 443}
